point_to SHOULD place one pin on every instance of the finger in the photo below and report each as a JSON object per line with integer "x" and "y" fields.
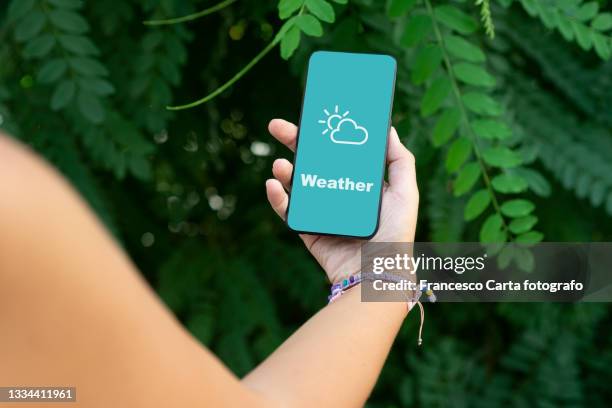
{"x": 282, "y": 169}
{"x": 277, "y": 197}
{"x": 285, "y": 132}
{"x": 402, "y": 173}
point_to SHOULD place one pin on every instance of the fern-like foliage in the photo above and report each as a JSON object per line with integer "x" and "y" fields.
{"x": 56, "y": 31}
{"x": 470, "y": 126}
{"x": 577, "y": 21}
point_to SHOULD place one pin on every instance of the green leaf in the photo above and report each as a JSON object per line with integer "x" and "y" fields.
{"x": 602, "y": 22}
{"x": 30, "y": 26}
{"x": 531, "y": 237}
{"x": 466, "y": 178}
{"x": 322, "y": 10}
{"x": 287, "y": 7}
{"x": 587, "y": 11}
{"x": 602, "y": 45}
{"x": 537, "y": 183}
{"x": 78, "y": 44}
{"x": 69, "y": 21}
{"x": 481, "y": 104}
{"x": 435, "y": 95}
{"x": 90, "y": 107}
{"x": 88, "y": 66}
{"x": 501, "y": 156}
{"x": 505, "y": 256}
{"x": 524, "y": 259}
{"x": 97, "y": 86}
{"x": 417, "y": 28}
{"x": 523, "y": 224}
{"x": 509, "y": 183}
{"x": 477, "y": 204}
{"x": 290, "y": 42}
{"x": 455, "y": 19}
{"x": 427, "y": 60}
{"x": 491, "y": 230}
{"x": 340, "y": 1}
{"x": 310, "y": 25}
{"x": 583, "y": 35}
{"x": 140, "y": 167}
{"x": 473, "y": 75}
{"x": 63, "y": 94}
{"x": 565, "y": 27}
{"x": 52, "y": 70}
{"x": 446, "y": 126}
{"x": 458, "y": 153}
{"x": 460, "y": 48}
{"x": 39, "y": 47}
{"x": 397, "y": 8}
{"x": 491, "y": 129}
{"x": 517, "y": 208}
{"x": 19, "y": 8}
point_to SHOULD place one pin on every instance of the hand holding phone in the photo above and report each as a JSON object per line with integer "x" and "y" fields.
{"x": 339, "y": 256}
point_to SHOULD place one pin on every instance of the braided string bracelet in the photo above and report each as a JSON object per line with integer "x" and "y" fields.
{"x": 341, "y": 287}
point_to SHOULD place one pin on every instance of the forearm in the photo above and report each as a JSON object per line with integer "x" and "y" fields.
{"x": 335, "y": 358}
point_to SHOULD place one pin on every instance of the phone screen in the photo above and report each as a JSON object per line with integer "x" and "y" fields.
{"x": 342, "y": 142}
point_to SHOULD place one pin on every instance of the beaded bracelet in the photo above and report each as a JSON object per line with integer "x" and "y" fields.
{"x": 341, "y": 287}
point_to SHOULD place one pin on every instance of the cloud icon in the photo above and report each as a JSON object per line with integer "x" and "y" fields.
{"x": 347, "y": 131}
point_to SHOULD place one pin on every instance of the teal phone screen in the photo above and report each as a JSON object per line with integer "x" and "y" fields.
{"x": 342, "y": 142}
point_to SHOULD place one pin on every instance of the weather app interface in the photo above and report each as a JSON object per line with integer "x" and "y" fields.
{"x": 343, "y": 133}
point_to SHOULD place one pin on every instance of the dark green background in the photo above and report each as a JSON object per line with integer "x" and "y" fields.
{"x": 184, "y": 192}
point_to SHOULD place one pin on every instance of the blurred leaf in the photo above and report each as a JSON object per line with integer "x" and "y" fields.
{"x": 481, "y": 104}
{"x": 458, "y": 153}
{"x": 417, "y": 28}
{"x": 322, "y": 10}
{"x": 517, "y": 208}
{"x": 426, "y": 62}
{"x": 310, "y": 25}
{"x": 397, "y": 8}
{"x": 473, "y": 75}
{"x": 19, "y": 8}
{"x": 30, "y": 26}
{"x": 63, "y": 94}
{"x": 477, "y": 204}
{"x": 491, "y": 129}
{"x": 455, "y": 19}
{"x": 52, "y": 70}
{"x": 446, "y": 126}
{"x": 509, "y": 183}
{"x": 501, "y": 156}
{"x": 39, "y": 47}
{"x": 523, "y": 224}
{"x": 88, "y": 66}
{"x": 290, "y": 42}
{"x": 287, "y": 7}
{"x": 532, "y": 237}
{"x": 90, "y": 106}
{"x": 537, "y": 183}
{"x": 491, "y": 230}
{"x": 78, "y": 44}
{"x": 463, "y": 49}
{"x": 603, "y": 22}
{"x": 435, "y": 95}
{"x": 69, "y": 21}
{"x": 466, "y": 178}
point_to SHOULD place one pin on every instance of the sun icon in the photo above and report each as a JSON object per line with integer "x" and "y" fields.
{"x": 332, "y": 119}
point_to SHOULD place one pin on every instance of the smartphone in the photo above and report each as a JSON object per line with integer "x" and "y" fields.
{"x": 339, "y": 164}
